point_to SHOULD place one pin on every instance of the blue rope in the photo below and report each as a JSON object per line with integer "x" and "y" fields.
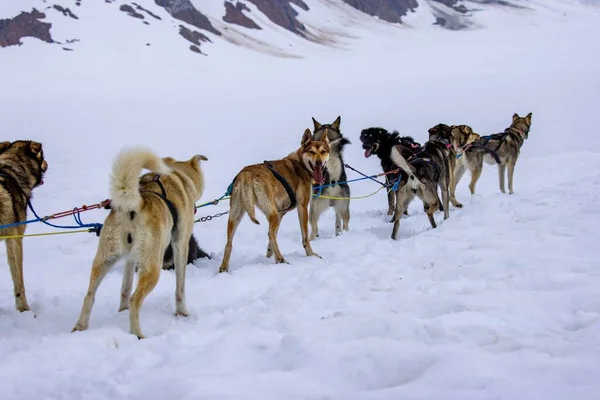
{"x": 350, "y": 181}
{"x": 20, "y": 223}
{"x": 395, "y": 186}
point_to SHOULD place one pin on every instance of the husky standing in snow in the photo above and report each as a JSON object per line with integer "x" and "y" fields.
{"x": 422, "y": 173}
{"x": 147, "y": 213}
{"x": 379, "y": 141}
{"x": 22, "y": 169}
{"x": 500, "y": 148}
{"x": 334, "y": 174}
{"x": 277, "y": 187}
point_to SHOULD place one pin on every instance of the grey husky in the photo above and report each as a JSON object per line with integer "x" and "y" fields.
{"x": 422, "y": 172}
{"x": 500, "y": 148}
{"x": 334, "y": 174}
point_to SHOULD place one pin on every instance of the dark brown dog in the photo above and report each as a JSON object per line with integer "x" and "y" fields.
{"x": 22, "y": 167}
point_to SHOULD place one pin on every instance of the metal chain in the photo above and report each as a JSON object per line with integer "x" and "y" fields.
{"x": 209, "y": 217}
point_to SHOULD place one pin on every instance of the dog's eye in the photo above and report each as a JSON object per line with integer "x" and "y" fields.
{"x": 323, "y": 152}
{"x": 312, "y": 153}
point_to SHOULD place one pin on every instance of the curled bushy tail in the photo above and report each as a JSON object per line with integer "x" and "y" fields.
{"x": 125, "y": 177}
{"x": 401, "y": 162}
{"x": 248, "y": 200}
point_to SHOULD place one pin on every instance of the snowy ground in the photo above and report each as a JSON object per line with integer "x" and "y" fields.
{"x": 500, "y": 302}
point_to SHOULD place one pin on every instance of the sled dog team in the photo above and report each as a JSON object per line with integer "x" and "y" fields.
{"x": 151, "y": 216}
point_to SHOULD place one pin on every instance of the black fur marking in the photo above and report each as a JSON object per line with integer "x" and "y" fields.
{"x": 132, "y": 215}
{"x": 129, "y": 238}
{"x": 385, "y": 141}
{"x": 194, "y": 253}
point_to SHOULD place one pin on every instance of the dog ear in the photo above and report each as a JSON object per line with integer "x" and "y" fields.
{"x": 4, "y": 146}
{"x": 316, "y": 124}
{"x": 433, "y": 130}
{"x": 35, "y": 147}
{"x": 467, "y": 129}
{"x": 337, "y": 122}
{"x": 515, "y": 116}
{"x": 307, "y": 137}
{"x": 528, "y": 118}
{"x": 199, "y": 157}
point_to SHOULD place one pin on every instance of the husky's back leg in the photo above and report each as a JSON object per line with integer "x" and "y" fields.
{"x": 127, "y": 284}
{"x": 269, "y": 248}
{"x": 150, "y": 265}
{"x": 236, "y": 212}
{"x": 475, "y": 166}
{"x": 108, "y": 253}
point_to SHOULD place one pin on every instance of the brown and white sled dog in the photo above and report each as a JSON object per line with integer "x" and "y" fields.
{"x": 462, "y": 137}
{"x": 147, "y": 213}
{"x": 276, "y": 187}
{"x": 500, "y": 148}
{"x": 22, "y": 167}
{"x": 334, "y": 174}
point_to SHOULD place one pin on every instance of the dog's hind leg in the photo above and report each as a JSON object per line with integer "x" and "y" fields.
{"x": 107, "y": 255}
{"x": 431, "y": 202}
{"x": 14, "y": 251}
{"x": 180, "y": 252}
{"x": 317, "y": 207}
{"x": 501, "y": 173}
{"x": 127, "y": 284}
{"x": 274, "y": 222}
{"x": 235, "y": 216}
{"x": 476, "y": 169}
{"x": 269, "y": 248}
{"x": 149, "y": 274}
{"x": 459, "y": 171}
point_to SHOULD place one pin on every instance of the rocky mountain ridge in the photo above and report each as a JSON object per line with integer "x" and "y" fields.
{"x": 198, "y": 27}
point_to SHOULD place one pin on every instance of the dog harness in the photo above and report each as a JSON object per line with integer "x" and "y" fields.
{"x": 163, "y": 196}
{"x": 285, "y": 185}
{"x": 500, "y": 137}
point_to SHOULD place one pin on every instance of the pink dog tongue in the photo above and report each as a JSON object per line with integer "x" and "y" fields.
{"x": 368, "y": 153}
{"x": 318, "y": 175}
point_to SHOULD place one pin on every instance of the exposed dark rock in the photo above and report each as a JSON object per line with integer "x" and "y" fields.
{"x": 234, "y": 15}
{"x": 150, "y": 13}
{"x": 281, "y": 13}
{"x": 453, "y": 4}
{"x": 78, "y": 3}
{"x": 65, "y": 11}
{"x": 194, "y": 37}
{"x": 387, "y": 10}
{"x": 26, "y": 24}
{"x": 185, "y": 11}
{"x": 195, "y": 49}
{"x": 126, "y": 8}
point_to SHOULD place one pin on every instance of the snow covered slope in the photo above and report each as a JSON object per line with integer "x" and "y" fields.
{"x": 285, "y": 28}
{"x": 501, "y": 301}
